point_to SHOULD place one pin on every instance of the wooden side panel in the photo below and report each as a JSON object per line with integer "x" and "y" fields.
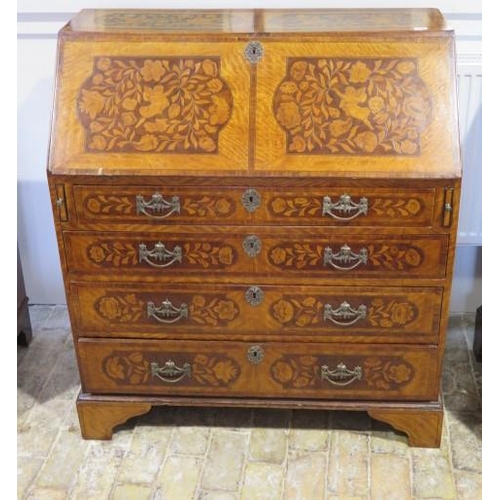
{"x": 370, "y": 107}
{"x": 150, "y": 106}
{"x": 267, "y": 369}
{"x": 392, "y": 314}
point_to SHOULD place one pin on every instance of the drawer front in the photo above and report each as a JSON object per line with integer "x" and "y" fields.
{"x": 262, "y": 252}
{"x": 347, "y": 255}
{"x": 156, "y": 254}
{"x": 349, "y": 206}
{"x": 159, "y": 206}
{"x": 267, "y": 369}
{"x": 338, "y": 314}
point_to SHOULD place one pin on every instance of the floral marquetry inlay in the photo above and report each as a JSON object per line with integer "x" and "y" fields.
{"x": 154, "y": 104}
{"x": 392, "y": 257}
{"x": 135, "y": 368}
{"x": 132, "y": 308}
{"x": 350, "y": 106}
{"x": 382, "y": 373}
{"x": 309, "y": 311}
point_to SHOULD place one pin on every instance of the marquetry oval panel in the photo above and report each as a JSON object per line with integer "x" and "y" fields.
{"x": 155, "y": 254}
{"x": 286, "y": 370}
{"x": 370, "y": 106}
{"x": 145, "y": 107}
{"x": 348, "y": 314}
{"x": 349, "y": 206}
{"x": 356, "y": 255}
{"x": 163, "y": 205}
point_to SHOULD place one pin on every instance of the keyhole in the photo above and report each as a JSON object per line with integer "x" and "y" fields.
{"x": 250, "y": 199}
{"x": 254, "y": 50}
{"x": 255, "y": 354}
{"x": 254, "y": 295}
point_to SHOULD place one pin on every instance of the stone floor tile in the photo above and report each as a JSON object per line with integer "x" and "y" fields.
{"x": 27, "y": 469}
{"x": 189, "y": 441}
{"x": 348, "y": 464}
{"x": 62, "y": 466}
{"x": 262, "y": 481}
{"x": 465, "y": 440}
{"x": 97, "y": 475}
{"x": 459, "y": 388}
{"x": 46, "y": 494}
{"x": 131, "y": 492}
{"x": 58, "y": 319}
{"x": 268, "y": 445}
{"x": 63, "y": 381}
{"x": 305, "y": 477}
{"x": 432, "y": 475}
{"x": 397, "y": 469}
{"x": 148, "y": 448}
{"x": 36, "y": 436}
{"x": 217, "y": 495}
{"x": 389, "y": 442}
{"x": 468, "y": 486}
{"x": 309, "y": 431}
{"x": 179, "y": 478}
{"x": 225, "y": 459}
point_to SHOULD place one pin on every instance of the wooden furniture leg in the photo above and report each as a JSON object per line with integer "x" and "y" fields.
{"x": 99, "y": 418}
{"x": 423, "y": 427}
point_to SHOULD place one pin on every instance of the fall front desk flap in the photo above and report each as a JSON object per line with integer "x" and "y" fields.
{"x": 256, "y": 93}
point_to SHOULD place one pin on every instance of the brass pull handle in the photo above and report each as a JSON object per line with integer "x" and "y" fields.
{"x": 158, "y": 205}
{"x": 167, "y": 312}
{"x": 345, "y": 206}
{"x": 160, "y": 254}
{"x": 345, "y": 313}
{"x": 169, "y": 372}
{"x": 341, "y": 375}
{"x": 252, "y": 246}
{"x": 251, "y": 200}
{"x": 346, "y": 257}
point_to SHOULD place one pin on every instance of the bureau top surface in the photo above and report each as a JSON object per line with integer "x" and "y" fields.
{"x": 347, "y": 93}
{"x": 260, "y": 21}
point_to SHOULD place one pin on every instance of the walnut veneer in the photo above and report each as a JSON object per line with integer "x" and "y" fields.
{"x": 257, "y": 208}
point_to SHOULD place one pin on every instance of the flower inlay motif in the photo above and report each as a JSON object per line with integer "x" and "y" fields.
{"x": 156, "y": 105}
{"x": 353, "y": 106}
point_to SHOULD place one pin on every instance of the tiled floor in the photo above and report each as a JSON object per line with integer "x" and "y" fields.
{"x": 180, "y": 454}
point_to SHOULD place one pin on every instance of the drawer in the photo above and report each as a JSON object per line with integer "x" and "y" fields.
{"x": 340, "y": 314}
{"x": 261, "y": 251}
{"x": 242, "y": 369}
{"x": 345, "y": 206}
{"x": 346, "y": 255}
{"x": 156, "y": 253}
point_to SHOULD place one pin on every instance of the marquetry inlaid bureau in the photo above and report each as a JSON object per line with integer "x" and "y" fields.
{"x": 257, "y": 208}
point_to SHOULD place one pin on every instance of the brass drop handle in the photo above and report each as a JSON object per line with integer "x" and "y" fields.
{"x": 344, "y": 315}
{"x": 170, "y": 372}
{"x": 346, "y": 208}
{"x": 345, "y": 258}
{"x": 167, "y": 312}
{"x": 341, "y": 375}
{"x": 159, "y": 256}
{"x": 157, "y": 205}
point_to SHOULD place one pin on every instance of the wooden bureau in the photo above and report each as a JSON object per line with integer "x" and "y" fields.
{"x": 257, "y": 208}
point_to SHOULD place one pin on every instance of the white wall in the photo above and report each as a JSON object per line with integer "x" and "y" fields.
{"x": 38, "y": 23}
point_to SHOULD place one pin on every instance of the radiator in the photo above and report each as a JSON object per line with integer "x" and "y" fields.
{"x": 469, "y": 71}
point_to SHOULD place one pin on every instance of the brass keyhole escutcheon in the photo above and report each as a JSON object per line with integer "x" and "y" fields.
{"x": 251, "y": 200}
{"x": 255, "y": 354}
{"x": 252, "y": 245}
{"x": 254, "y": 296}
{"x": 254, "y": 51}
